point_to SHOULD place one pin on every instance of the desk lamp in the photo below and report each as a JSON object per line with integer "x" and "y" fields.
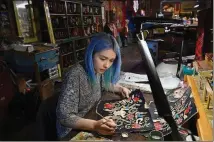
{"x": 159, "y": 96}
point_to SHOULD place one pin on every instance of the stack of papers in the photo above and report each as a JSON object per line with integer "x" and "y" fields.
{"x": 129, "y": 80}
{"x": 140, "y": 81}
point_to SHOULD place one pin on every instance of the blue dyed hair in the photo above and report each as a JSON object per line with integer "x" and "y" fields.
{"x": 100, "y": 42}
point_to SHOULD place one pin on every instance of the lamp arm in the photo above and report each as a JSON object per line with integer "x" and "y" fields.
{"x": 159, "y": 96}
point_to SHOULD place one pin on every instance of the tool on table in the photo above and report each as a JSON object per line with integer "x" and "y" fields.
{"x": 156, "y": 136}
{"x": 146, "y": 82}
{"x": 101, "y": 115}
{"x": 124, "y": 134}
{"x": 189, "y": 133}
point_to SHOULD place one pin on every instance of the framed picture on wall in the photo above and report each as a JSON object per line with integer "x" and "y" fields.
{"x": 25, "y": 20}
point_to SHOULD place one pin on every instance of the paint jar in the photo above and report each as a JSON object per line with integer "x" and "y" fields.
{"x": 156, "y": 136}
{"x": 187, "y": 70}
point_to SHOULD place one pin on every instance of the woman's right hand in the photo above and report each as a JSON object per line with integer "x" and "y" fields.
{"x": 105, "y": 126}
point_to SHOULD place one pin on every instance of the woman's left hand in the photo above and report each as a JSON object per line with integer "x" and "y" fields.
{"x": 125, "y": 91}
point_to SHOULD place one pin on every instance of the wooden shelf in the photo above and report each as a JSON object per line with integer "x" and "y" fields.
{"x": 67, "y": 40}
{"x": 65, "y": 54}
{"x": 90, "y": 4}
{"x": 81, "y": 60}
{"x": 203, "y": 125}
{"x": 77, "y": 50}
{"x": 70, "y": 14}
{"x": 75, "y": 27}
{"x": 66, "y": 68}
{"x": 59, "y": 28}
{"x": 87, "y": 25}
{"x": 60, "y": 40}
{"x": 88, "y": 15}
{"x": 57, "y": 14}
{"x": 70, "y": 1}
{"x": 79, "y": 13}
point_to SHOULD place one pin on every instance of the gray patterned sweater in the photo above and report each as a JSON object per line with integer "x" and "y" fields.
{"x": 76, "y": 99}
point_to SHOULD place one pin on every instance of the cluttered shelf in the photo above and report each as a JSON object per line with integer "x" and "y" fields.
{"x": 70, "y": 25}
{"x": 204, "y": 127}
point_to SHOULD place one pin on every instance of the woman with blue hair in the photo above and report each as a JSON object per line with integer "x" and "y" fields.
{"x": 81, "y": 88}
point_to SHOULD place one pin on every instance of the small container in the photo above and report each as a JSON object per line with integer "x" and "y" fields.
{"x": 156, "y": 136}
{"x": 188, "y": 70}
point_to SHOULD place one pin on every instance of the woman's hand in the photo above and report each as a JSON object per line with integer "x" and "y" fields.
{"x": 105, "y": 126}
{"x": 120, "y": 89}
{"x": 125, "y": 91}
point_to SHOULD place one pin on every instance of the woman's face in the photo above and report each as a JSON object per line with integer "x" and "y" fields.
{"x": 103, "y": 60}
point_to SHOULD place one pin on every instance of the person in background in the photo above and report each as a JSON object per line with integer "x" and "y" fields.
{"x": 82, "y": 86}
{"x": 131, "y": 26}
{"x": 110, "y": 28}
{"x": 124, "y": 34}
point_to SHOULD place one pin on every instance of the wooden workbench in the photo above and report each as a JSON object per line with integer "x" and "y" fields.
{"x": 203, "y": 125}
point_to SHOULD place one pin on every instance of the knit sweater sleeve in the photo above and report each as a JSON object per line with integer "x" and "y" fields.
{"x": 67, "y": 107}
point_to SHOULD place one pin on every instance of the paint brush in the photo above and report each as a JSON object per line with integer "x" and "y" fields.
{"x": 102, "y": 117}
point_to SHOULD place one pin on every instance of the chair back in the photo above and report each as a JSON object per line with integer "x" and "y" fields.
{"x": 46, "y": 119}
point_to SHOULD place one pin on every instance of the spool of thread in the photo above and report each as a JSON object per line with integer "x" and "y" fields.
{"x": 156, "y": 136}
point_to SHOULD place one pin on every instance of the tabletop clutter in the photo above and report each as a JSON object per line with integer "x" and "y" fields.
{"x": 140, "y": 81}
{"x": 137, "y": 114}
